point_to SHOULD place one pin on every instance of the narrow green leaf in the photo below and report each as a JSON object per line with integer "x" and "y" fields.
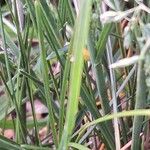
{"x": 79, "y": 43}
{"x": 65, "y": 11}
{"x": 29, "y": 147}
{"x": 13, "y": 48}
{"x": 45, "y": 72}
{"x": 78, "y": 146}
{"x": 138, "y": 112}
{"x": 102, "y": 41}
{"x": 9, "y": 124}
{"x": 8, "y": 144}
{"x": 140, "y": 104}
{"x": 102, "y": 92}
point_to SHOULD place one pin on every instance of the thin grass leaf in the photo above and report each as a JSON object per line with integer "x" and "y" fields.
{"x": 53, "y": 33}
{"x": 40, "y": 89}
{"x": 29, "y": 147}
{"x": 125, "y": 62}
{"x": 8, "y": 144}
{"x": 78, "y": 146}
{"x": 9, "y": 124}
{"x": 65, "y": 11}
{"x": 14, "y": 49}
{"x": 4, "y": 103}
{"x": 45, "y": 72}
{"x": 140, "y": 104}
{"x": 79, "y": 43}
{"x": 138, "y": 112}
{"x": 11, "y": 89}
{"x": 62, "y": 97}
{"x": 91, "y": 105}
{"x": 102, "y": 91}
{"x": 102, "y": 41}
{"x": 31, "y": 10}
{"x": 11, "y": 64}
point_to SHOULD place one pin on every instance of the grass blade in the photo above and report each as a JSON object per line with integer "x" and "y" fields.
{"x": 78, "y": 146}
{"x": 102, "y": 41}
{"x": 79, "y": 43}
{"x": 8, "y": 144}
{"x": 45, "y": 72}
{"x": 140, "y": 103}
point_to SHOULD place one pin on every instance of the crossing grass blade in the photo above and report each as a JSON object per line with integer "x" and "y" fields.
{"x": 8, "y": 144}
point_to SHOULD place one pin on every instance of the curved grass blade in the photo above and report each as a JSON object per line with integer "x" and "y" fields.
{"x": 138, "y": 112}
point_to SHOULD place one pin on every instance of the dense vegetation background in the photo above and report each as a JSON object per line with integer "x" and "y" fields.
{"x": 74, "y": 74}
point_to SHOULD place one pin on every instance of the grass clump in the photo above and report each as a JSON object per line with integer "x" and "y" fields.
{"x": 86, "y": 63}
